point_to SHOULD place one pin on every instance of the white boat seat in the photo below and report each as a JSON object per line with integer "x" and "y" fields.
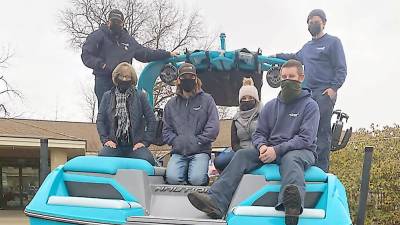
{"x": 272, "y": 212}
{"x": 92, "y": 202}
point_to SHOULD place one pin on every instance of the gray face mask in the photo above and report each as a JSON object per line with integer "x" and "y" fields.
{"x": 314, "y": 29}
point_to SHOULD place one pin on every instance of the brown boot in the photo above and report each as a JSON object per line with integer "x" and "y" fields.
{"x": 204, "y": 203}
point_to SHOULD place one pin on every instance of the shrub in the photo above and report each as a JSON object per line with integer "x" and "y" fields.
{"x": 384, "y": 196}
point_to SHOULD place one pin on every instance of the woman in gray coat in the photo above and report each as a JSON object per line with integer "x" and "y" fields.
{"x": 244, "y": 123}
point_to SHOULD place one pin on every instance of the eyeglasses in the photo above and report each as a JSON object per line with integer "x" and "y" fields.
{"x": 124, "y": 78}
{"x": 187, "y": 76}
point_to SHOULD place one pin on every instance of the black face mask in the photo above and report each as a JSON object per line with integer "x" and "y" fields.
{"x": 115, "y": 28}
{"x": 290, "y": 90}
{"x": 247, "y": 105}
{"x": 188, "y": 84}
{"x": 314, "y": 29}
{"x": 124, "y": 85}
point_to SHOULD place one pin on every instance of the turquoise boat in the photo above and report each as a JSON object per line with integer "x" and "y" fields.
{"x": 108, "y": 190}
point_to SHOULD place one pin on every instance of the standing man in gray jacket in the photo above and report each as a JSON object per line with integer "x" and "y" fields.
{"x": 190, "y": 126}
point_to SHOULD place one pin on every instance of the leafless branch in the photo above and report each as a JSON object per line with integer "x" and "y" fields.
{"x": 4, "y": 57}
{"x": 89, "y": 102}
{"x": 225, "y": 112}
{"x": 5, "y": 88}
{"x": 162, "y": 93}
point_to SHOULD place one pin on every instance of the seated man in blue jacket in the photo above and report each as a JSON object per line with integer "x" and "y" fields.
{"x": 190, "y": 125}
{"x": 110, "y": 45}
{"x": 123, "y": 115}
{"x": 286, "y": 134}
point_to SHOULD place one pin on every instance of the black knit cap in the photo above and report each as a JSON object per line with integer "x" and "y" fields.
{"x": 317, "y": 12}
{"x": 116, "y": 14}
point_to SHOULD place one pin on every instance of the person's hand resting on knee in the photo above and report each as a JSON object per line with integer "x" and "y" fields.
{"x": 267, "y": 154}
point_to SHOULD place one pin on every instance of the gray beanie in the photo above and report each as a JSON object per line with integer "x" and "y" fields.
{"x": 249, "y": 89}
{"x": 317, "y": 12}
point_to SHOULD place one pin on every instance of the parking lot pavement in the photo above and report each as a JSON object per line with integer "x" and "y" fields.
{"x": 13, "y": 217}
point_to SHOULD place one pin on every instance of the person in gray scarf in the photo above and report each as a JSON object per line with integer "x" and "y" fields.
{"x": 123, "y": 115}
{"x": 244, "y": 124}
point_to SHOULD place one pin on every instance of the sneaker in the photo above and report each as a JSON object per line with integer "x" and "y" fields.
{"x": 204, "y": 203}
{"x": 292, "y": 204}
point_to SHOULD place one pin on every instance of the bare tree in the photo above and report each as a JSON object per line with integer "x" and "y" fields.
{"x": 89, "y": 102}
{"x": 161, "y": 93}
{"x": 172, "y": 28}
{"x": 225, "y": 112}
{"x": 158, "y": 24}
{"x": 85, "y": 16}
{"x": 6, "y": 90}
{"x": 208, "y": 43}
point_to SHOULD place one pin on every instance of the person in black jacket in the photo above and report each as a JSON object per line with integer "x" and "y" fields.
{"x": 123, "y": 115}
{"x": 110, "y": 45}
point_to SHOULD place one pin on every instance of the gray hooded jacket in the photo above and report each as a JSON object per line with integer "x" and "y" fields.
{"x": 191, "y": 124}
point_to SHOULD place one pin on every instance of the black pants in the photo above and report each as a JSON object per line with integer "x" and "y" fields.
{"x": 102, "y": 84}
{"x": 324, "y": 136}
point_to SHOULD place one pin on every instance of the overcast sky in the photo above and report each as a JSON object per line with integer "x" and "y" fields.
{"x": 50, "y": 74}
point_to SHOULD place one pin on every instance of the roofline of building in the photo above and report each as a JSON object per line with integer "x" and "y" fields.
{"x": 38, "y": 126}
{"x": 65, "y": 121}
{"x": 39, "y": 120}
{"x": 35, "y": 142}
{"x": 39, "y": 137}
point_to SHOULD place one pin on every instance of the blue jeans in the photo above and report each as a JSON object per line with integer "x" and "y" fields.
{"x": 223, "y": 158}
{"x": 324, "y": 136}
{"x": 188, "y": 169}
{"x": 127, "y": 152}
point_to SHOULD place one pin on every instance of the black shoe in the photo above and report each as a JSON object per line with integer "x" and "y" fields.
{"x": 204, "y": 203}
{"x": 292, "y": 204}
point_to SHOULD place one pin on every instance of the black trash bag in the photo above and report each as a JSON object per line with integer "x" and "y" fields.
{"x": 158, "y": 140}
{"x": 224, "y": 85}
